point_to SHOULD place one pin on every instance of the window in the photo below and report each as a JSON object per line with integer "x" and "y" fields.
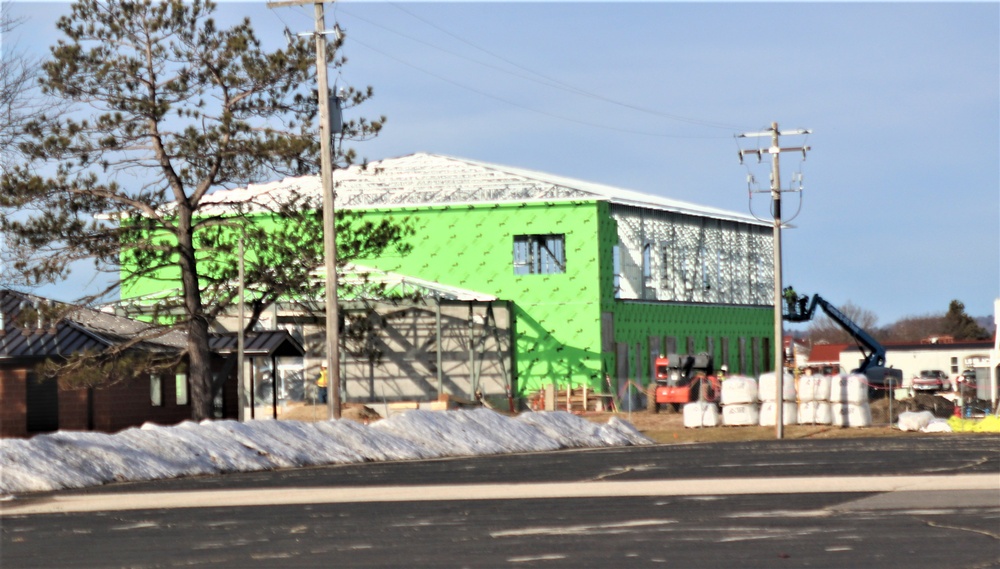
{"x": 181, "y": 388}
{"x": 155, "y": 390}
{"x": 954, "y": 365}
{"x": 616, "y": 266}
{"x": 539, "y": 254}
{"x": 647, "y": 262}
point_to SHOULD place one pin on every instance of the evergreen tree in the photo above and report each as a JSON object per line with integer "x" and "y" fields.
{"x": 960, "y": 325}
{"x": 169, "y": 108}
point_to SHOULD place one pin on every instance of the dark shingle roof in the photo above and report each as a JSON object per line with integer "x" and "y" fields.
{"x": 66, "y": 329}
{"x": 54, "y": 329}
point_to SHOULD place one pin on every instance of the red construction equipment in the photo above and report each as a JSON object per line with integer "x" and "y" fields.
{"x": 682, "y": 379}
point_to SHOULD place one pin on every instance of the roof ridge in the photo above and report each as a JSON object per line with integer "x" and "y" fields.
{"x": 423, "y": 179}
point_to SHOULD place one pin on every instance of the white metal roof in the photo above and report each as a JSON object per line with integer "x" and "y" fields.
{"x": 422, "y": 180}
{"x": 360, "y": 277}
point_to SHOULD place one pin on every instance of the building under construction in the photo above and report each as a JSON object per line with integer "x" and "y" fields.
{"x": 529, "y": 279}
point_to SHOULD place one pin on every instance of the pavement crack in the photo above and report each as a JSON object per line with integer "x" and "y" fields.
{"x": 616, "y": 472}
{"x": 623, "y": 470}
{"x": 966, "y": 466}
{"x": 959, "y": 528}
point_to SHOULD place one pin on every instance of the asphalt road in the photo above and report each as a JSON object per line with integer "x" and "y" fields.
{"x": 875, "y": 503}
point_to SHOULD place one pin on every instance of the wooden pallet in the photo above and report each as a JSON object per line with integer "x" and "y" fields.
{"x": 574, "y": 400}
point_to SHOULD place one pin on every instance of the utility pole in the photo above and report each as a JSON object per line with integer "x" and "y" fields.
{"x": 775, "y": 150}
{"x": 241, "y": 343}
{"x": 329, "y": 217}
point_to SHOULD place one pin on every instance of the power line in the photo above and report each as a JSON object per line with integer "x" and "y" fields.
{"x": 535, "y": 76}
{"x": 524, "y": 107}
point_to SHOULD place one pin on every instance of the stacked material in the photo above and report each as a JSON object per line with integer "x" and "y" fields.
{"x": 767, "y": 393}
{"x": 739, "y": 401}
{"x": 701, "y": 414}
{"x": 814, "y": 400}
{"x": 849, "y": 401}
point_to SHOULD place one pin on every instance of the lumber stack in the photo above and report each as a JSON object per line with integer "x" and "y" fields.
{"x": 573, "y": 399}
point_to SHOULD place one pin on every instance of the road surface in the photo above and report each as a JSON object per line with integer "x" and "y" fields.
{"x": 913, "y": 502}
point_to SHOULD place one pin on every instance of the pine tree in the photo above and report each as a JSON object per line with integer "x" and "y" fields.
{"x": 960, "y": 325}
{"x": 178, "y": 107}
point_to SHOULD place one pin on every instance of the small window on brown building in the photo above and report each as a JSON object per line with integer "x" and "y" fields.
{"x": 155, "y": 390}
{"x": 181, "y": 387}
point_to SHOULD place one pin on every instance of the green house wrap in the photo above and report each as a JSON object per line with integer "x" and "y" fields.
{"x": 600, "y": 280}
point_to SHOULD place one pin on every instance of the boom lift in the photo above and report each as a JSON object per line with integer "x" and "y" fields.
{"x": 873, "y": 365}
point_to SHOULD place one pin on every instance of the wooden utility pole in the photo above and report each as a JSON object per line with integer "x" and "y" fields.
{"x": 329, "y": 217}
{"x": 774, "y": 150}
{"x": 241, "y": 343}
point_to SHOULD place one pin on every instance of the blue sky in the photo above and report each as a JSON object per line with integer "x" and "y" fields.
{"x": 900, "y": 211}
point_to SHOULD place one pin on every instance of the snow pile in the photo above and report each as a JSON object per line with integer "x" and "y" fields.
{"x": 70, "y": 459}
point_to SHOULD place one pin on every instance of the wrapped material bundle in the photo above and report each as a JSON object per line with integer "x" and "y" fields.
{"x": 739, "y": 390}
{"x": 766, "y": 387}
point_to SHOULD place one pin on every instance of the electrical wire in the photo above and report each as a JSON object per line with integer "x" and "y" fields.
{"x": 569, "y": 87}
{"x": 533, "y": 76}
{"x": 524, "y": 107}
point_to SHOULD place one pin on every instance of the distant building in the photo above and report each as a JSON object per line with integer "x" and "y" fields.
{"x": 950, "y": 357}
{"x": 34, "y": 329}
{"x": 825, "y": 358}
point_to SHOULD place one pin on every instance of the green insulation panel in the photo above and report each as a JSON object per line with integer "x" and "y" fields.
{"x": 557, "y": 314}
{"x": 719, "y": 330}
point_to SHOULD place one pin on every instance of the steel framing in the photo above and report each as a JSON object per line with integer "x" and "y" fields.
{"x": 419, "y": 350}
{"x": 674, "y": 257}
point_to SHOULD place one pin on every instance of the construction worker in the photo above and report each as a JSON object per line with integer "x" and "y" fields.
{"x": 321, "y": 383}
{"x": 790, "y": 298}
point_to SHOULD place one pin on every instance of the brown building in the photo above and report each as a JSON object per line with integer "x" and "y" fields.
{"x": 35, "y": 330}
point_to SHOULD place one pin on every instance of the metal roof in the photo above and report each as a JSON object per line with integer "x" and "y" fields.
{"x": 269, "y": 343}
{"x": 426, "y": 180}
{"x": 374, "y": 284}
{"x": 73, "y": 329}
{"x": 59, "y": 329}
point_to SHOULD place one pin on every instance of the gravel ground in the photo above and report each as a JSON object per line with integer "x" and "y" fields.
{"x": 664, "y": 427}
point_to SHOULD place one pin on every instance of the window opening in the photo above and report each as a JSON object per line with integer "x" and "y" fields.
{"x": 181, "y": 388}
{"x": 155, "y": 390}
{"x": 647, "y": 261}
{"x": 539, "y": 254}
{"x": 616, "y": 262}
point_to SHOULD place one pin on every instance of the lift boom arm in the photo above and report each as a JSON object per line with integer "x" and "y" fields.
{"x": 873, "y": 351}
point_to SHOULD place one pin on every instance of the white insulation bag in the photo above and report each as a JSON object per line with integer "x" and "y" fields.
{"x": 767, "y": 385}
{"x": 789, "y": 413}
{"x": 852, "y": 415}
{"x": 814, "y": 388}
{"x": 815, "y": 413}
{"x": 851, "y": 389}
{"x": 739, "y": 389}
{"x": 741, "y": 415}
{"x": 701, "y": 414}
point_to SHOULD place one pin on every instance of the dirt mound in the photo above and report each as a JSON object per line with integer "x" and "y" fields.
{"x": 359, "y": 413}
{"x": 308, "y": 412}
{"x": 937, "y": 405}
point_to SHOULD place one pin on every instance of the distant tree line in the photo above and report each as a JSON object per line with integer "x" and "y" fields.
{"x": 954, "y": 323}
